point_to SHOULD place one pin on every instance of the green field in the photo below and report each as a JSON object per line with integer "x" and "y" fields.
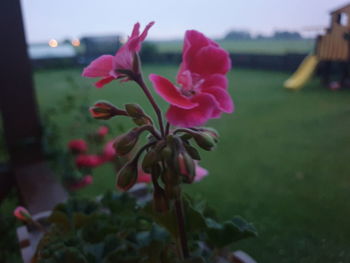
{"x": 282, "y": 161}
{"x": 264, "y": 46}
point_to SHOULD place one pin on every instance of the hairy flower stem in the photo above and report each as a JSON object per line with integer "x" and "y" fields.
{"x": 181, "y": 227}
{"x": 139, "y": 80}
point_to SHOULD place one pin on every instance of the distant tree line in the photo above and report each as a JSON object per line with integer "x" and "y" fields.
{"x": 277, "y": 35}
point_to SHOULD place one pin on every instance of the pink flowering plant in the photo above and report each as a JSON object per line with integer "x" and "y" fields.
{"x": 169, "y": 157}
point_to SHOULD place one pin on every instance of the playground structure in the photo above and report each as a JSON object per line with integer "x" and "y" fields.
{"x": 331, "y": 48}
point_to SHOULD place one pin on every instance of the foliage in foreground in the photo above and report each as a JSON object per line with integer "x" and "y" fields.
{"x": 118, "y": 229}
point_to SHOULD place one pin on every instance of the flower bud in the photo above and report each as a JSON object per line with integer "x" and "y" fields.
{"x": 134, "y": 110}
{"x": 102, "y": 131}
{"x": 187, "y": 167}
{"x": 22, "y": 214}
{"x": 149, "y": 160}
{"x": 137, "y": 114}
{"x": 77, "y": 146}
{"x": 105, "y": 110}
{"x": 204, "y": 140}
{"x": 212, "y": 132}
{"x": 126, "y": 142}
{"x": 167, "y": 153}
{"x": 83, "y": 182}
{"x": 127, "y": 176}
{"x": 192, "y": 152}
{"x": 88, "y": 160}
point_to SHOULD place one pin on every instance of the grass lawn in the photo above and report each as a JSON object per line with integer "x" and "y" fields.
{"x": 263, "y": 46}
{"x": 282, "y": 162}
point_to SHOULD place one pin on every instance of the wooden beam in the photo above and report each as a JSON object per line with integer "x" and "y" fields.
{"x": 22, "y": 129}
{"x": 38, "y": 188}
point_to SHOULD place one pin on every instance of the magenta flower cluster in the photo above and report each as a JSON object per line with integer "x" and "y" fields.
{"x": 201, "y": 91}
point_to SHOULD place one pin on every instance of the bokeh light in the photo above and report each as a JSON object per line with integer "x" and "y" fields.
{"x": 53, "y": 43}
{"x": 75, "y": 42}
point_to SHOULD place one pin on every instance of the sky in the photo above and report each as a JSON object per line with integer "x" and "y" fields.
{"x": 62, "y": 19}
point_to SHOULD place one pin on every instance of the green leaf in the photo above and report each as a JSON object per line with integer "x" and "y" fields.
{"x": 223, "y": 234}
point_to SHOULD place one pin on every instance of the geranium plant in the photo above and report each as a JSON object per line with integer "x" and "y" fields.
{"x": 184, "y": 229}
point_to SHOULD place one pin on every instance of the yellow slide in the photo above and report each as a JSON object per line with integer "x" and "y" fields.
{"x": 302, "y": 74}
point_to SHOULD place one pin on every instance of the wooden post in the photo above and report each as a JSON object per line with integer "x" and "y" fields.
{"x": 22, "y": 130}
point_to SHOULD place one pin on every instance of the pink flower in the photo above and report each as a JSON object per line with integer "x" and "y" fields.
{"x": 110, "y": 67}
{"x": 88, "y": 160}
{"x": 109, "y": 151}
{"x": 77, "y": 146}
{"x": 202, "y": 92}
{"x": 21, "y": 213}
{"x": 85, "y": 181}
{"x": 102, "y": 131}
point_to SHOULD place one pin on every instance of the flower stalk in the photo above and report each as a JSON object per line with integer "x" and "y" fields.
{"x": 170, "y": 158}
{"x": 139, "y": 80}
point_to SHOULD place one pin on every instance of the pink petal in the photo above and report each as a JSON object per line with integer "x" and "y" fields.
{"x": 86, "y": 180}
{"x": 218, "y": 80}
{"x": 216, "y": 114}
{"x": 109, "y": 151}
{"x": 143, "y": 177}
{"x": 21, "y": 213}
{"x": 104, "y": 81}
{"x": 136, "y": 30}
{"x": 170, "y": 93}
{"x": 102, "y": 131}
{"x": 200, "y": 173}
{"x": 88, "y": 160}
{"x": 223, "y": 98}
{"x": 123, "y": 59}
{"x": 134, "y": 42}
{"x": 100, "y": 67}
{"x": 145, "y": 31}
{"x": 210, "y": 60}
{"x": 78, "y": 145}
{"x": 194, "y": 41}
{"x": 195, "y": 116}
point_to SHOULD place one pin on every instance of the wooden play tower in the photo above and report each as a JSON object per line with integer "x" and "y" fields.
{"x": 334, "y": 45}
{"x": 333, "y": 48}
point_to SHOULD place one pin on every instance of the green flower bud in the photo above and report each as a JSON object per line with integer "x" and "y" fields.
{"x": 149, "y": 160}
{"x": 136, "y": 112}
{"x": 127, "y": 176}
{"x": 212, "y": 132}
{"x": 187, "y": 167}
{"x": 127, "y": 141}
{"x": 105, "y": 110}
{"x": 204, "y": 140}
{"x": 192, "y": 152}
{"x": 167, "y": 153}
